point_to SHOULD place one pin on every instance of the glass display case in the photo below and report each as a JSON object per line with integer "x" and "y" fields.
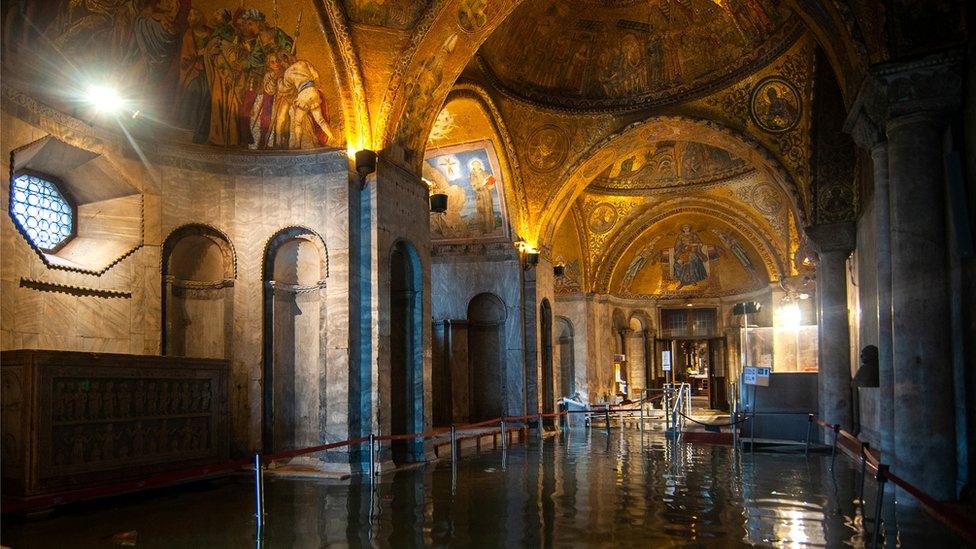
{"x": 784, "y": 349}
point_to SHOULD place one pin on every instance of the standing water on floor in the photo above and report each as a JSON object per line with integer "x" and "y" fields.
{"x": 579, "y": 488}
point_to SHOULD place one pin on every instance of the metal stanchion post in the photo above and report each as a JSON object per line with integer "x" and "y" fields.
{"x": 667, "y": 411}
{"x": 881, "y": 479}
{"x": 806, "y": 452}
{"x": 641, "y": 425}
{"x": 833, "y": 450}
{"x": 453, "y": 442}
{"x": 504, "y": 435}
{"x": 607, "y": 417}
{"x": 540, "y": 426}
{"x": 864, "y": 465}
{"x": 258, "y": 492}
{"x": 372, "y": 457}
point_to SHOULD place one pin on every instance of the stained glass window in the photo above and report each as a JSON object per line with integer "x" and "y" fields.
{"x": 42, "y": 211}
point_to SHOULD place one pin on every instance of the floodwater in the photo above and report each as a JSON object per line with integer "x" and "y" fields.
{"x": 583, "y": 488}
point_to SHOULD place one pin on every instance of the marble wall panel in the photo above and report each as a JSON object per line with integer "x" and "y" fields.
{"x": 182, "y": 190}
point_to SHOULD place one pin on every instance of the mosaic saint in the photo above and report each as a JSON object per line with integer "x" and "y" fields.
{"x": 470, "y": 176}
{"x": 228, "y": 76}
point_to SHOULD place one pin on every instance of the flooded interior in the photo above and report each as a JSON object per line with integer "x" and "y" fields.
{"x": 579, "y": 487}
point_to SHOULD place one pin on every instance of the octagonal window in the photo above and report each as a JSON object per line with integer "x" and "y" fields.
{"x": 42, "y": 211}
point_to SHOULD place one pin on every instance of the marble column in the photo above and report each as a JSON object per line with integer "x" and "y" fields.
{"x": 834, "y": 242}
{"x": 886, "y": 378}
{"x": 924, "y": 417}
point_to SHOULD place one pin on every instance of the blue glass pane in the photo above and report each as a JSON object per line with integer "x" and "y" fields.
{"x": 41, "y": 211}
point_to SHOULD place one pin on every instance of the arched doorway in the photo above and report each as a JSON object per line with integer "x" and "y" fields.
{"x": 295, "y": 269}
{"x": 486, "y": 356}
{"x": 406, "y": 352}
{"x": 567, "y": 357}
{"x": 547, "y": 378}
{"x": 198, "y": 300}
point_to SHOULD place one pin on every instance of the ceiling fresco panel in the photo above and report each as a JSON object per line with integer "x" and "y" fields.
{"x": 586, "y": 54}
{"x": 249, "y": 75}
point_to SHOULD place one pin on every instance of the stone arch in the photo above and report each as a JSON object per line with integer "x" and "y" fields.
{"x": 515, "y": 187}
{"x": 199, "y": 266}
{"x": 406, "y": 388}
{"x": 295, "y": 269}
{"x": 630, "y": 139}
{"x": 406, "y": 116}
{"x": 486, "y": 317}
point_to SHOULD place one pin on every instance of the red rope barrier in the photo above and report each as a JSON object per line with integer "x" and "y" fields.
{"x": 938, "y": 510}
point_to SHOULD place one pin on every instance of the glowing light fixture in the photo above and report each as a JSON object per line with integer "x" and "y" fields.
{"x": 789, "y": 314}
{"x": 105, "y": 99}
{"x": 528, "y": 252}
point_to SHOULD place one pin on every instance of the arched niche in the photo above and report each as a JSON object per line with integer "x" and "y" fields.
{"x": 199, "y": 267}
{"x": 486, "y": 356}
{"x": 635, "y": 345}
{"x": 547, "y": 378}
{"x": 295, "y": 338}
{"x": 406, "y": 351}
{"x": 565, "y": 340}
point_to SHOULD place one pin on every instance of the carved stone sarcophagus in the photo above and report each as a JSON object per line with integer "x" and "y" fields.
{"x": 75, "y": 420}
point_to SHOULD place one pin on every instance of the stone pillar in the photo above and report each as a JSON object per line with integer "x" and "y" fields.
{"x": 924, "y": 438}
{"x": 834, "y": 243}
{"x": 921, "y": 96}
{"x": 886, "y": 378}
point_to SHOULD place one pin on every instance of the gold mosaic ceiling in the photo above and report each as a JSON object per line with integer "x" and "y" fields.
{"x": 667, "y": 166}
{"x": 589, "y": 54}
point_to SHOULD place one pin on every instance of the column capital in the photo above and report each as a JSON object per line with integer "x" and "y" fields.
{"x": 626, "y": 332}
{"x": 833, "y": 237}
{"x": 931, "y": 84}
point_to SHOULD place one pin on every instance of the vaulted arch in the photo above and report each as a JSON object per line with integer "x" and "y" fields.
{"x": 628, "y": 141}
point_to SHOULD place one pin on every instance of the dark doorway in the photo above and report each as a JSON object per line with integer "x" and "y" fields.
{"x": 547, "y": 380}
{"x": 486, "y": 356}
{"x": 718, "y": 395}
{"x": 567, "y": 357}
{"x": 406, "y": 361}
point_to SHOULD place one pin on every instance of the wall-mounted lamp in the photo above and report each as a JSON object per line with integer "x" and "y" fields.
{"x": 365, "y": 165}
{"x": 528, "y": 252}
{"x": 558, "y": 270}
{"x": 438, "y": 203}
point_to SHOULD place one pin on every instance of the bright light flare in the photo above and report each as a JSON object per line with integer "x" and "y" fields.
{"x": 105, "y": 99}
{"x": 789, "y": 315}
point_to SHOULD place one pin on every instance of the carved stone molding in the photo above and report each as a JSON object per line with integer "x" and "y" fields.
{"x": 833, "y": 237}
{"x": 932, "y": 83}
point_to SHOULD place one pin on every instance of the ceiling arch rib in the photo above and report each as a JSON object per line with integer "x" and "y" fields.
{"x": 629, "y": 141}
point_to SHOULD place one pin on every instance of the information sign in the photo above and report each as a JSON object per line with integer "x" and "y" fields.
{"x": 752, "y": 375}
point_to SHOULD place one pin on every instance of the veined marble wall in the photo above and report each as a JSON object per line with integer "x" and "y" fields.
{"x": 455, "y": 281}
{"x": 247, "y": 197}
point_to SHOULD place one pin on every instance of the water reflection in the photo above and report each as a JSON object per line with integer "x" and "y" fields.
{"x": 580, "y": 488}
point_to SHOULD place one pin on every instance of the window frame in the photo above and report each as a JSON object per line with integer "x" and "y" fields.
{"x": 60, "y": 186}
